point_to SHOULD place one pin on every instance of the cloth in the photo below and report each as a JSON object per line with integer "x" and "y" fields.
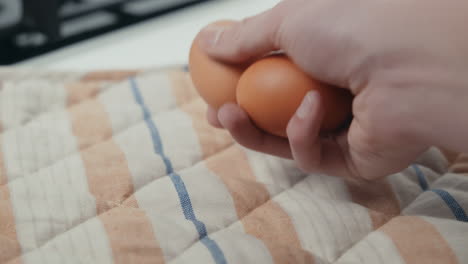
{"x": 121, "y": 167}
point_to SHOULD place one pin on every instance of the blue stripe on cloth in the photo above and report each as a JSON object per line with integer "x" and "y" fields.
{"x": 421, "y": 178}
{"x": 177, "y": 181}
{"x": 454, "y": 206}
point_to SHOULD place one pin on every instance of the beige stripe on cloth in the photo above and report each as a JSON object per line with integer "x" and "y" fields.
{"x": 233, "y": 167}
{"x": 418, "y": 241}
{"x": 129, "y": 230}
{"x": 378, "y": 197}
{"x": 9, "y": 244}
{"x": 271, "y": 224}
{"x": 182, "y": 87}
{"x": 106, "y": 167}
{"x": 131, "y": 236}
{"x": 90, "y": 123}
{"x": 211, "y": 140}
{"x": 111, "y": 76}
{"x": 108, "y": 176}
{"x": 78, "y": 92}
{"x": 3, "y": 176}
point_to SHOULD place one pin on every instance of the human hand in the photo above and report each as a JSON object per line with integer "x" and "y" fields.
{"x": 405, "y": 62}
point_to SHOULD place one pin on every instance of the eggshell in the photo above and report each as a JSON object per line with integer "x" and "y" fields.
{"x": 215, "y": 81}
{"x": 272, "y": 89}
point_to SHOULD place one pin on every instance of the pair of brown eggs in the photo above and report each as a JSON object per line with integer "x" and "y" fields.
{"x": 270, "y": 90}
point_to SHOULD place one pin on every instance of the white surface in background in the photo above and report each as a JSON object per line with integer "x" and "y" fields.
{"x": 161, "y": 41}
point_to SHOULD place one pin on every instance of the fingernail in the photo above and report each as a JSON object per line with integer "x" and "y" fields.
{"x": 306, "y": 106}
{"x": 210, "y": 35}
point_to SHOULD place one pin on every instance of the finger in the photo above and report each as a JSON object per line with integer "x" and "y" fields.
{"x": 252, "y": 37}
{"x": 303, "y": 133}
{"x": 312, "y": 152}
{"x": 237, "y": 122}
{"x": 212, "y": 117}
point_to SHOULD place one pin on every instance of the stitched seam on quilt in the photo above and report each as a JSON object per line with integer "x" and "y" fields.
{"x": 115, "y": 134}
{"x": 48, "y": 111}
{"x": 109, "y": 84}
{"x": 401, "y": 210}
{"x": 238, "y": 220}
{"x": 120, "y": 205}
{"x": 143, "y": 186}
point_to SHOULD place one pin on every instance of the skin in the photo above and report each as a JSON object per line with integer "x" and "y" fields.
{"x": 406, "y": 62}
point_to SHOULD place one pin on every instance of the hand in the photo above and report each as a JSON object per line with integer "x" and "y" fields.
{"x": 405, "y": 62}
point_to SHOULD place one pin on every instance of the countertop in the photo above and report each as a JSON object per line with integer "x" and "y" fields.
{"x": 161, "y": 41}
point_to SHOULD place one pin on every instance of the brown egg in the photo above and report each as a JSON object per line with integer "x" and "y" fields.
{"x": 272, "y": 89}
{"x": 215, "y": 81}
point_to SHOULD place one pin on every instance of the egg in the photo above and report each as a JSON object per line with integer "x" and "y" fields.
{"x": 214, "y": 80}
{"x": 272, "y": 89}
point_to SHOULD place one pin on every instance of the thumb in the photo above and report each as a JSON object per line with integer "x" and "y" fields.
{"x": 241, "y": 41}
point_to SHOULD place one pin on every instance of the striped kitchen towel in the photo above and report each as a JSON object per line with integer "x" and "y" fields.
{"x": 121, "y": 167}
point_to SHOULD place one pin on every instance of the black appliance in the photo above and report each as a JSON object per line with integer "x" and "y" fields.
{"x": 33, "y": 27}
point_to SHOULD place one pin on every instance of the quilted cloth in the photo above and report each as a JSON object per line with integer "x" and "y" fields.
{"x": 121, "y": 167}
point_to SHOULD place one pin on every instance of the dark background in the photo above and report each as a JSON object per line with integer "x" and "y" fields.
{"x": 29, "y": 28}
